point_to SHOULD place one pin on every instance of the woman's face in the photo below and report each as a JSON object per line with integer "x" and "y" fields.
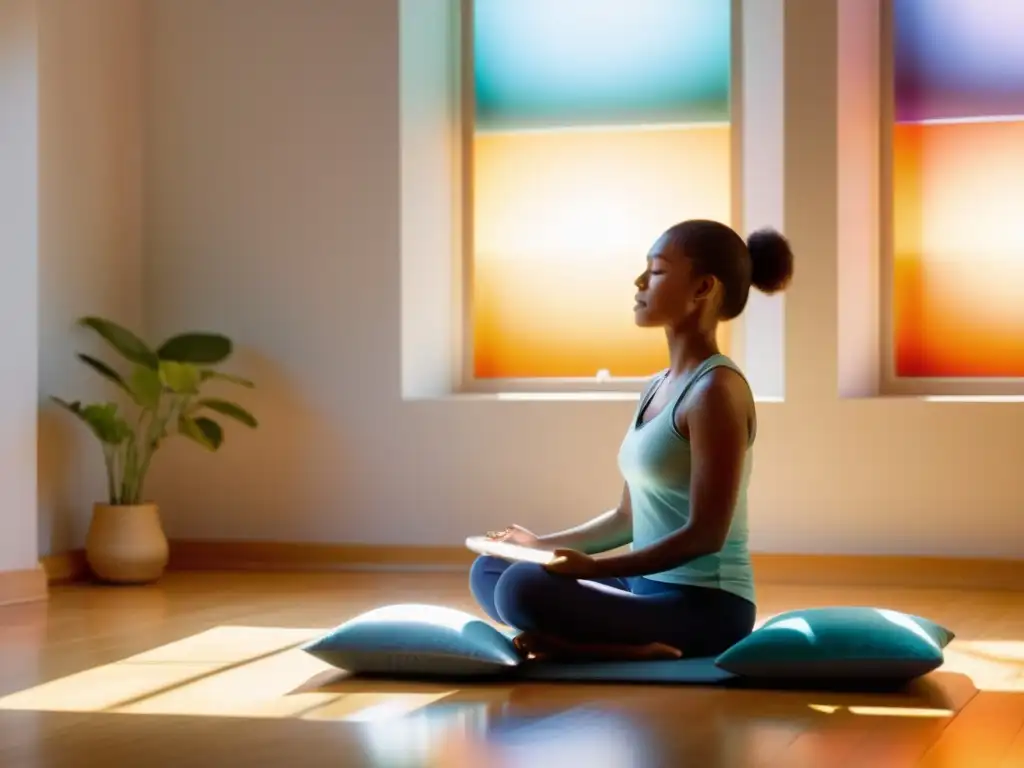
{"x": 669, "y": 292}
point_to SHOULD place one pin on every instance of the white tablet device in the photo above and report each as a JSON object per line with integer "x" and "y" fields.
{"x": 516, "y": 553}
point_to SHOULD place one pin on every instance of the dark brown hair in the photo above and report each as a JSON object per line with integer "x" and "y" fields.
{"x": 764, "y": 261}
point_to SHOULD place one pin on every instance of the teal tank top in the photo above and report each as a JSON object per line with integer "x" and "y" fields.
{"x": 654, "y": 460}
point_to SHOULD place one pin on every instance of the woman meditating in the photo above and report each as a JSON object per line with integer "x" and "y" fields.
{"x": 685, "y": 586}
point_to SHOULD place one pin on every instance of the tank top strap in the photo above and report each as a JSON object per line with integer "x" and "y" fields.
{"x": 709, "y": 364}
{"x": 649, "y": 388}
{"x": 653, "y": 382}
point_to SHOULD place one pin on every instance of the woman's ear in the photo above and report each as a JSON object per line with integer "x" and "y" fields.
{"x": 705, "y": 288}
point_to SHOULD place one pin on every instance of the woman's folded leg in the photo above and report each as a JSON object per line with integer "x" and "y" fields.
{"x": 695, "y": 620}
{"x": 487, "y": 571}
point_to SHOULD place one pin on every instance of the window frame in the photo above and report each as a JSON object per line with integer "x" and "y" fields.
{"x": 979, "y": 388}
{"x": 466, "y": 379}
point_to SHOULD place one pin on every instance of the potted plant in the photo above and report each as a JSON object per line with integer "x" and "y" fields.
{"x": 126, "y": 541}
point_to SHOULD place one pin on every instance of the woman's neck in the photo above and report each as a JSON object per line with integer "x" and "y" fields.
{"x": 688, "y": 349}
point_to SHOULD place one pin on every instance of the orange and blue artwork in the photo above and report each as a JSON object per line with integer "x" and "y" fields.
{"x": 958, "y": 186}
{"x": 598, "y": 124}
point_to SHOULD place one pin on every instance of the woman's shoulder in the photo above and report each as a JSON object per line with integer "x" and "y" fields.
{"x": 722, "y": 397}
{"x": 719, "y": 361}
{"x": 721, "y": 375}
{"x": 722, "y": 371}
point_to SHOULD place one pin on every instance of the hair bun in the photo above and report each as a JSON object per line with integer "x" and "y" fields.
{"x": 772, "y": 260}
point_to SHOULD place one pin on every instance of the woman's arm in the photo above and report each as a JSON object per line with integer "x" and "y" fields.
{"x": 718, "y": 425}
{"x": 605, "y": 532}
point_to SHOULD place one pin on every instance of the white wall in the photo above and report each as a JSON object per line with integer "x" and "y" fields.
{"x": 431, "y": 306}
{"x": 90, "y": 143}
{"x": 18, "y": 280}
{"x": 272, "y": 212}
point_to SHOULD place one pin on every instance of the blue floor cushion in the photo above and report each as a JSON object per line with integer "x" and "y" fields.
{"x": 840, "y": 643}
{"x": 416, "y": 639}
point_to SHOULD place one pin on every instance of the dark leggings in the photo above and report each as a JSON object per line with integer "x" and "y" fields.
{"x": 699, "y": 621}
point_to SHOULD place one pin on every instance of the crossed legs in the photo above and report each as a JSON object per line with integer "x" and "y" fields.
{"x": 565, "y": 614}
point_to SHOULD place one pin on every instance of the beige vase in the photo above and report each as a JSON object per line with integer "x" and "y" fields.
{"x": 126, "y": 544}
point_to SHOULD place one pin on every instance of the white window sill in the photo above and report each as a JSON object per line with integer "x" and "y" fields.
{"x": 535, "y": 397}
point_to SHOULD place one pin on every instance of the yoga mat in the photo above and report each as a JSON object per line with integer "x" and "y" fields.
{"x": 683, "y": 672}
{"x": 698, "y": 671}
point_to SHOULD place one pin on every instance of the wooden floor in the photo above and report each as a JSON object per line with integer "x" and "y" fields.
{"x": 203, "y": 670}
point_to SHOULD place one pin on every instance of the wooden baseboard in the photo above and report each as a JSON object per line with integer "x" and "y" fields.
{"x": 307, "y": 558}
{"x": 807, "y": 570}
{"x": 897, "y": 571}
{"x": 25, "y": 586}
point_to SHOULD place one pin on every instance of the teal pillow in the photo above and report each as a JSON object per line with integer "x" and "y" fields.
{"x": 840, "y": 643}
{"x": 413, "y": 639}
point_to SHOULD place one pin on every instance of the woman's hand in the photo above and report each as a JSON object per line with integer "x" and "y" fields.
{"x": 571, "y": 562}
{"x": 517, "y": 535}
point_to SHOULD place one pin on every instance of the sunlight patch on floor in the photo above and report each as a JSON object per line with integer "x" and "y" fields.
{"x": 252, "y": 672}
{"x": 170, "y": 667}
{"x": 261, "y": 688}
{"x": 101, "y": 688}
{"x": 226, "y": 645}
{"x": 993, "y": 665}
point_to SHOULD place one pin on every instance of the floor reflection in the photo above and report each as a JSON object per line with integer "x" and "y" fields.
{"x": 493, "y": 736}
{"x": 534, "y": 725}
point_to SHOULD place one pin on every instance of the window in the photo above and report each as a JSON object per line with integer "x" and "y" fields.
{"x": 956, "y": 170}
{"x": 596, "y": 124}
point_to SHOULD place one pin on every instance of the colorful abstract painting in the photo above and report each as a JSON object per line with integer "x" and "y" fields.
{"x": 598, "y": 125}
{"x": 958, "y": 184}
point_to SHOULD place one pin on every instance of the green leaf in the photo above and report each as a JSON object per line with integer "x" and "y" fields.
{"x": 180, "y": 378}
{"x": 209, "y": 373}
{"x": 188, "y": 427}
{"x": 232, "y": 410}
{"x": 206, "y": 432}
{"x": 212, "y": 430}
{"x": 146, "y": 387}
{"x": 202, "y": 348}
{"x": 104, "y": 370}
{"x": 101, "y": 418}
{"x": 124, "y": 341}
{"x": 105, "y": 422}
